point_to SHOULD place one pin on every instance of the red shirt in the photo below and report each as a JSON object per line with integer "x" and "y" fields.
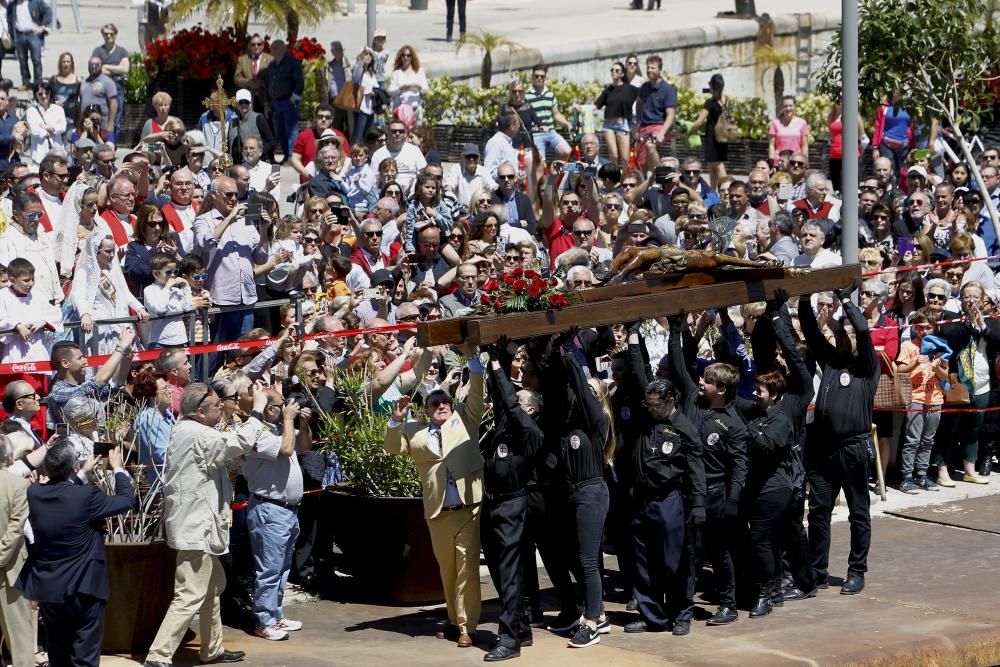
{"x": 559, "y": 239}
{"x": 305, "y": 146}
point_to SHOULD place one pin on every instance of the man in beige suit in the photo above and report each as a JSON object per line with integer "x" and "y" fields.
{"x": 15, "y": 610}
{"x": 446, "y": 452}
{"x": 251, "y": 71}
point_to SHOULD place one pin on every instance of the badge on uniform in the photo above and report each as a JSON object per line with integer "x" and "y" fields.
{"x": 713, "y": 439}
{"x": 574, "y": 442}
{"x": 502, "y": 450}
{"x": 845, "y": 379}
{"x": 454, "y": 421}
{"x": 626, "y": 412}
{"x": 667, "y": 448}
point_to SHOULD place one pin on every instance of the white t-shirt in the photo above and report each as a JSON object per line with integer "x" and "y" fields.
{"x": 409, "y": 161}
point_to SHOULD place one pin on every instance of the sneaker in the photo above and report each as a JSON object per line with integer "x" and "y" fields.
{"x": 289, "y": 625}
{"x": 908, "y": 486}
{"x": 927, "y": 484}
{"x": 603, "y": 626}
{"x": 585, "y": 636}
{"x": 271, "y": 632}
{"x": 565, "y": 623}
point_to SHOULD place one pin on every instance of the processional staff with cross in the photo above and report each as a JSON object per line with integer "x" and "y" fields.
{"x": 217, "y": 103}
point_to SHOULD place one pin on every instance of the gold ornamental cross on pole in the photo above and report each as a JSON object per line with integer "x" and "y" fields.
{"x": 217, "y": 103}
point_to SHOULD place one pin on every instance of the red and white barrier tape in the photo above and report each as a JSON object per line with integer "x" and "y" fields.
{"x": 917, "y": 267}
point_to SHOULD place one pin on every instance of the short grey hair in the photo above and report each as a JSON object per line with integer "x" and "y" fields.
{"x": 81, "y": 408}
{"x": 877, "y": 286}
{"x": 390, "y": 204}
{"x": 813, "y": 225}
{"x": 579, "y": 273}
{"x": 936, "y": 282}
{"x": 230, "y": 384}
{"x": 194, "y": 395}
{"x": 814, "y": 177}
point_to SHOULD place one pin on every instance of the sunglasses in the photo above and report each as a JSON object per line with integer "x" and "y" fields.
{"x": 934, "y": 296}
{"x": 571, "y": 202}
{"x": 797, "y": 163}
{"x": 692, "y": 171}
{"x": 392, "y": 131}
{"x": 373, "y": 234}
{"x": 614, "y": 206}
{"x": 169, "y": 272}
{"x": 630, "y": 185}
{"x": 583, "y": 232}
{"x": 34, "y": 217}
{"x": 199, "y": 276}
{"x": 506, "y": 177}
{"x": 324, "y": 116}
{"x": 310, "y": 239}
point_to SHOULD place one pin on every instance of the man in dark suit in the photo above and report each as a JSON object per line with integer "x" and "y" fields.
{"x": 66, "y": 572}
{"x": 517, "y": 203}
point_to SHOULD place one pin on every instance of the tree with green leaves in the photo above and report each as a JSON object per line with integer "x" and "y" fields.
{"x": 943, "y": 55}
{"x": 487, "y": 42}
{"x": 277, "y": 15}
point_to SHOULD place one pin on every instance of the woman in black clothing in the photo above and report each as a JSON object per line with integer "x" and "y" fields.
{"x": 716, "y": 153}
{"x": 152, "y": 236}
{"x": 617, "y": 99}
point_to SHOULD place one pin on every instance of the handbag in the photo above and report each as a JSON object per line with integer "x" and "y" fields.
{"x": 889, "y": 392}
{"x": 348, "y": 97}
{"x": 958, "y": 393}
{"x": 726, "y": 130}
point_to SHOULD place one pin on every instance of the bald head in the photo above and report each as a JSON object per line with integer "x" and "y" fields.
{"x": 224, "y": 194}
{"x": 20, "y": 399}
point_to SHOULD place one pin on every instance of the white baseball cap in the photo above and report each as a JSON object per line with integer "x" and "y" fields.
{"x": 243, "y": 95}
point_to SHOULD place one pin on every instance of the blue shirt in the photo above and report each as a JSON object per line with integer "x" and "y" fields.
{"x": 655, "y": 102}
{"x": 7, "y": 154}
{"x": 152, "y": 432}
{"x": 285, "y": 78}
{"x": 897, "y": 123}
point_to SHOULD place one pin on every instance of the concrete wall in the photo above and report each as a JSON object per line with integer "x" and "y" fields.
{"x": 692, "y": 56}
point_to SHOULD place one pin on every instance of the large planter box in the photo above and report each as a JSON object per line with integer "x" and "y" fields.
{"x": 133, "y": 118}
{"x": 386, "y": 546}
{"x": 187, "y": 95}
{"x": 142, "y": 586}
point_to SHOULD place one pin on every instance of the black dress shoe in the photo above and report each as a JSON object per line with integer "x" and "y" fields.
{"x": 682, "y": 628}
{"x": 501, "y": 652}
{"x": 633, "y": 605}
{"x": 525, "y": 640}
{"x": 798, "y": 594}
{"x": 723, "y": 616}
{"x": 636, "y": 627}
{"x": 226, "y": 656}
{"x": 777, "y": 598}
{"x": 985, "y": 468}
{"x": 762, "y": 608}
{"x": 855, "y": 584}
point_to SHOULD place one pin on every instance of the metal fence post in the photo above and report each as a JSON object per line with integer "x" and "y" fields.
{"x": 205, "y": 365}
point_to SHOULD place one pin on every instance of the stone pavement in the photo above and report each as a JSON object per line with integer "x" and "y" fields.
{"x": 930, "y": 599}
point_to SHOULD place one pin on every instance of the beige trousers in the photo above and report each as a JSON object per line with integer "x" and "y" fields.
{"x": 455, "y": 538}
{"x": 15, "y": 620}
{"x": 198, "y": 582}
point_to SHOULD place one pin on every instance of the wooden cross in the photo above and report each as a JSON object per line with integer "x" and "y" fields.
{"x": 218, "y": 102}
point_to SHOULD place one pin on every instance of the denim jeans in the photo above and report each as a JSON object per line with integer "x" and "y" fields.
{"x": 226, "y": 328}
{"x": 286, "y": 124}
{"x": 121, "y": 108}
{"x": 921, "y": 428}
{"x": 25, "y": 42}
{"x": 548, "y": 141}
{"x": 273, "y": 531}
{"x": 589, "y": 505}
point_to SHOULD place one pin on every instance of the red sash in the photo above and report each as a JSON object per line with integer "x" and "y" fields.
{"x": 118, "y": 231}
{"x": 174, "y": 218}
{"x": 46, "y": 222}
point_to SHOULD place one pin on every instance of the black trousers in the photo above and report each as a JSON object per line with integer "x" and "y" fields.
{"x": 794, "y": 543}
{"x": 74, "y": 629}
{"x": 830, "y": 467}
{"x": 714, "y": 544}
{"x": 618, "y": 529}
{"x": 450, "y": 17}
{"x": 545, "y": 527}
{"x": 503, "y": 530}
{"x": 588, "y": 510}
{"x": 664, "y": 562}
{"x": 309, "y": 557}
{"x": 767, "y": 510}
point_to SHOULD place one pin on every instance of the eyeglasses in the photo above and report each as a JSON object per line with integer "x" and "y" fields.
{"x": 583, "y": 232}
{"x": 227, "y": 195}
{"x": 324, "y": 116}
{"x": 317, "y": 211}
{"x": 33, "y": 396}
{"x": 869, "y": 294}
{"x": 373, "y": 234}
{"x": 614, "y": 206}
{"x": 199, "y": 276}
{"x": 570, "y": 202}
{"x": 127, "y": 195}
{"x": 511, "y": 259}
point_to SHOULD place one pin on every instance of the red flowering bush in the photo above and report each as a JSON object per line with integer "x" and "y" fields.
{"x": 521, "y": 291}
{"x": 305, "y": 49}
{"x": 195, "y": 54}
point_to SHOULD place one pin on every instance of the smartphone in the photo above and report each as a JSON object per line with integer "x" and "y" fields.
{"x": 904, "y": 245}
{"x": 103, "y": 448}
{"x": 785, "y": 191}
{"x": 150, "y": 148}
{"x": 253, "y": 214}
{"x": 369, "y": 293}
{"x": 571, "y": 168}
{"x": 342, "y": 215}
{"x": 62, "y": 429}
{"x": 276, "y": 168}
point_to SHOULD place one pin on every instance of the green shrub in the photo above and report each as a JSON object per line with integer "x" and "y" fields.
{"x": 815, "y": 109}
{"x": 136, "y": 83}
{"x": 751, "y": 116}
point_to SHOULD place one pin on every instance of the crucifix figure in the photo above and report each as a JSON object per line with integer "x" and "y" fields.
{"x": 217, "y": 103}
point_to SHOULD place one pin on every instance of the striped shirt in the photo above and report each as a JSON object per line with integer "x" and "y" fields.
{"x": 542, "y": 103}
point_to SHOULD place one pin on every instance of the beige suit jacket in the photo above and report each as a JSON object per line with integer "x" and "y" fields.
{"x": 13, "y": 514}
{"x": 243, "y": 75}
{"x": 459, "y": 452}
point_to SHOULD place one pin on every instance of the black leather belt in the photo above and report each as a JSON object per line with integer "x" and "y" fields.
{"x": 279, "y": 503}
{"x": 453, "y": 508}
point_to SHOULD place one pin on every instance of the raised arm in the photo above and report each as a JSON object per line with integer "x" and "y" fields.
{"x": 678, "y": 372}
{"x": 820, "y": 347}
{"x": 868, "y": 365}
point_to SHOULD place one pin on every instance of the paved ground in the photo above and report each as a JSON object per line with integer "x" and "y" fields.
{"x": 929, "y": 600}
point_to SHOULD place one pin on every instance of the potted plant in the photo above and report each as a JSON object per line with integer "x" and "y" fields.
{"x": 377, "y": 515}
{"x": 140, "y": 564}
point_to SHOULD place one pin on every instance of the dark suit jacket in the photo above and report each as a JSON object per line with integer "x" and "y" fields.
{"x": 68, "y": 555}
{"x": 523, "y": 207}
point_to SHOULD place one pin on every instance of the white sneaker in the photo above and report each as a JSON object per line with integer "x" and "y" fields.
{"x": 288, "y": 625}
{"x": 271, "y": 632}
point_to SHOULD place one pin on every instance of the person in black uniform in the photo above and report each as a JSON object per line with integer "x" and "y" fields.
{"x": 506, "y": 454}
{"x": 580, "y": 426}
{"x": 836, "y": 454}
{"x": 771, "y": 434}
{"x": 667, "y": 476}
{"x": 709, "y": 406}
{"x": 788, "y": 535}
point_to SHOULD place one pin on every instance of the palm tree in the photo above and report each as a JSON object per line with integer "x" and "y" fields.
{"x": 277, "y": 15}
{"x": 767, "y": 57}
{"x": 487, "y": 42}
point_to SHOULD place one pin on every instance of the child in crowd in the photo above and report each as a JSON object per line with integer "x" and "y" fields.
{"x": 337, "y": 269}
{"x": 359, "y": 177}
{"x": 192, "y": 269}
{"x": 927, "y": 398}
{"x": 28, "y": 321}
{"x": 288, "y": 275}
{"x": 168, "y": 295}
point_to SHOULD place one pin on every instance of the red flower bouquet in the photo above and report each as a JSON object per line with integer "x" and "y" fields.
{"x": 522, "y": 291}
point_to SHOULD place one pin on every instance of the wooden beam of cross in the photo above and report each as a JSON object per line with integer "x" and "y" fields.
{"x": 217, "y": 103}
